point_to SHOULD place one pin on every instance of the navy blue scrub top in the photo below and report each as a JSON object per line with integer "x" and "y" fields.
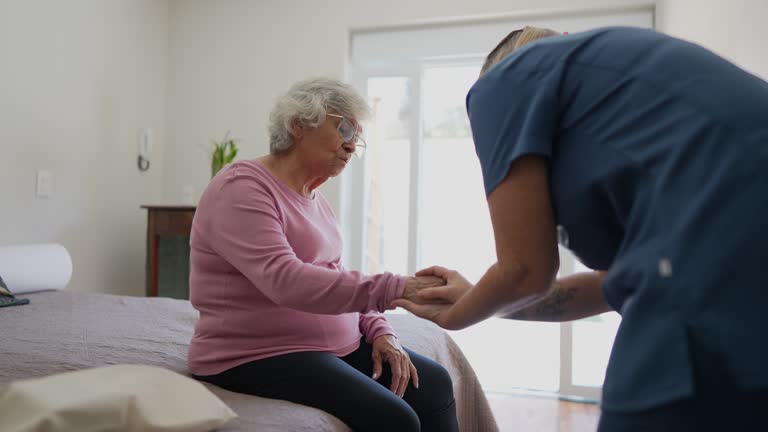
{"x": 658, "y": 159}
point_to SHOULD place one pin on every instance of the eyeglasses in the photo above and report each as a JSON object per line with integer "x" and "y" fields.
{"x": 349, "y": 133}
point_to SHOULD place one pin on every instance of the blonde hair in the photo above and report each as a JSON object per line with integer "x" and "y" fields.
{"x": 514, "y": 41}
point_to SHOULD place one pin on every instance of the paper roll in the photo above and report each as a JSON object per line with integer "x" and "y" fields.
{"x": 38, "y": 267}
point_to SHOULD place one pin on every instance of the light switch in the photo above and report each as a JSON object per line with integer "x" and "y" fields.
{"x": 44, "y": 184}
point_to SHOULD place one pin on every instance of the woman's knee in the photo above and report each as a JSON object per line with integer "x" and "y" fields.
{"x": 436, "y": 380}
{"x": 392, "y": 417}
{"x": 434, "y": 400}
{"x": 405, "y": 420}
{"x": 443, "y": 380}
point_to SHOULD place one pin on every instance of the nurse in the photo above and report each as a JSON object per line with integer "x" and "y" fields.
{"x": 647, "y": 156}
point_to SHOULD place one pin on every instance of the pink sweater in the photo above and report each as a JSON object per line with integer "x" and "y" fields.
{"x": 267, "y": 279}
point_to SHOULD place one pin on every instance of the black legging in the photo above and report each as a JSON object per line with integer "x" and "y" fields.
{"x": 343, "y": 386}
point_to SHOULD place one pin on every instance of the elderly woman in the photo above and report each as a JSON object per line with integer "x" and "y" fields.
{"x": 279, "y": 315}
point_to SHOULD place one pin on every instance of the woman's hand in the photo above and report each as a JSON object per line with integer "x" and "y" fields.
{"x": 414, "y": 285}
{"x": 387, "y": 348}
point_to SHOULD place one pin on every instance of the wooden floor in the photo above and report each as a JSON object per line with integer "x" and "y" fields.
{"x": 522, "y": 413}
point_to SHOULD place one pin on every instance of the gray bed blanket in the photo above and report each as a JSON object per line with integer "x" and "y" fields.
{"x": 63, "y": 331}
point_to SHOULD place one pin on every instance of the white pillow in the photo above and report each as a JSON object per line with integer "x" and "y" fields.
{"x": 35, "y": 267}
{"x": 116, "y": 398}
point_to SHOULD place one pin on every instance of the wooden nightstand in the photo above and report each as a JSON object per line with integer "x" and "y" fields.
{"x": 168, "y": 229}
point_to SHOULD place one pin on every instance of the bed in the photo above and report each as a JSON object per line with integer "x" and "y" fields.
{"x": 62, "y": 331}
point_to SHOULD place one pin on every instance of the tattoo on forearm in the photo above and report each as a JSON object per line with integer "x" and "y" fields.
{"x": 552, "y": 307}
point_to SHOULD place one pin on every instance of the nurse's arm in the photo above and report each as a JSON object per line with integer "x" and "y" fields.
{"x": 526, "y": 248}
{"x": 574, "y": 297}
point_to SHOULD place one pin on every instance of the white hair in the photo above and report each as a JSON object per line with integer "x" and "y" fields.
{"x": 307, "y": 103}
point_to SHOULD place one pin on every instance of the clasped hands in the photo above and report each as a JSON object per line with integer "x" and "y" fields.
{"x": 432, "y": 293}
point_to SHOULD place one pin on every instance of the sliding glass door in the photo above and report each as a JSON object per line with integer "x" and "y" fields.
{"x": 417, "y": 198}
{"x": 423, "y": 204}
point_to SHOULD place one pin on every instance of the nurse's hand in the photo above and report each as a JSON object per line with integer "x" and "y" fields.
{"x": 438, "y": 313}
{"x": 456, "y": 286}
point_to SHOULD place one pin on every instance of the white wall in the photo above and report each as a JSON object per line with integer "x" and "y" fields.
{"x": 734, "y": 29}
{"x": 230, "y": 58}
{"x": 77, "y": 79}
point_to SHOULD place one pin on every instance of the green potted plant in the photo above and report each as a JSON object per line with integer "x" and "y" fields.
{"x": 224, "y": 152}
